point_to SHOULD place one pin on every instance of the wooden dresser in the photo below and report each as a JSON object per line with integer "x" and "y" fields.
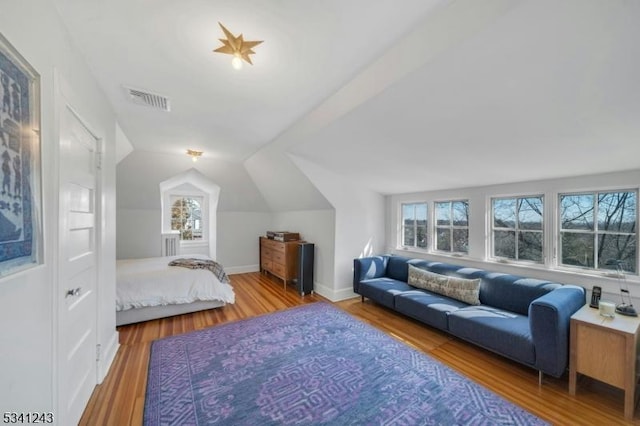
{"x": 279, "y": 259}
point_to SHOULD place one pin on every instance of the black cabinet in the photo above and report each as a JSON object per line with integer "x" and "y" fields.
{"x": 304, "y": 281}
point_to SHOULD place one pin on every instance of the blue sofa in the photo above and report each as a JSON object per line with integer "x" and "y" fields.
{"x": 523, "y": 319}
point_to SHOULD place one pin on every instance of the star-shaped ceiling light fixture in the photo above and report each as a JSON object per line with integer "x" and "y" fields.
{"x": 236, "y": 46}
{"x": 194, "y": 154}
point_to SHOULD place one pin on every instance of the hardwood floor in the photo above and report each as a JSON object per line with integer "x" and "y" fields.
{"x": 119, "y": 400}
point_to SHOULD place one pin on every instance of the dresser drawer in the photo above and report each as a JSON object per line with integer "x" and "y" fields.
{"x": 277, "y": 269}
{"x": 267, "y": 253}
{"x": 269, "y": 243}
{"x": 272, "y": 245}
{"x": 277, "y": 257}
{"x": 265, "y": 243}
{"x": 277, "y": 247}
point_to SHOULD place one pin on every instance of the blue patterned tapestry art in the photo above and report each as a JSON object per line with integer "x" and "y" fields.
{"x": 18, "y": 151}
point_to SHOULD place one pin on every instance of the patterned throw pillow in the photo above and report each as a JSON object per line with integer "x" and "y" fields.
{"x": 461, "y": 289}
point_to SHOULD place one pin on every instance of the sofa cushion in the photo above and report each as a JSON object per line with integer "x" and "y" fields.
{"x": 383, "y": 290}
{"x": 397, "y": 268}
{"x": 511, "y": 292}
{"x": 370, "y": 267}
{"x": 504, "y": 332}
{"x": 431, "y": 308}
{"x": 461, "y": 289}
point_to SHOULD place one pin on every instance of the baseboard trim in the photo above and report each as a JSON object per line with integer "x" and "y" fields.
{"x": 109, "y": 355}
{"x": 333, "y": 295}
{"x": 241, "y": 269}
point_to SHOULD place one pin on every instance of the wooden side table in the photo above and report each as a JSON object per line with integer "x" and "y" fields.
{"x": 605, "y": 349}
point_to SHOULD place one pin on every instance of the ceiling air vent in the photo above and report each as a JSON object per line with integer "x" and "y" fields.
{"x": 152, "y": 100}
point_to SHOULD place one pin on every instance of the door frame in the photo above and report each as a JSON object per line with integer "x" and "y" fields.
{"x": 62, "y": 95}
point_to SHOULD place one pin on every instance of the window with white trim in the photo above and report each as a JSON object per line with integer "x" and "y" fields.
{"x": 414, "y": 225}
{"x": 598, "y": 230}
{"x": 517, "y": 227}
{"x": 452, "y": 226}
{"x": 187, "y": 217}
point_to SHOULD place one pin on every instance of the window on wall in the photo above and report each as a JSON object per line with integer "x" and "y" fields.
{"x": 452, "y": 226}
{"x": 518, "y": 228}
{"x": 598, "y": 230}
{"x": 187, "y": 217}
{"x": 414, "y": 225}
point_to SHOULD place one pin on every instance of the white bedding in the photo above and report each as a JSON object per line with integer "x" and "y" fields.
{"x": 152, "y": 282}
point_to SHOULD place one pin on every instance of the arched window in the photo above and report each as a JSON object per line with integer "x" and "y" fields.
{"x": 187, "y": 217}
{"x": 189, "y": 203}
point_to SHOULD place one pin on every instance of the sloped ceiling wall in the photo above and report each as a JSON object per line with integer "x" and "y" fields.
{"x": 281, "y": 182}
{"x": 123, "y": 144}
{"x": 139, "y": 174}
{"x": 241, "y": 216}
{"x": 497, "y": 91}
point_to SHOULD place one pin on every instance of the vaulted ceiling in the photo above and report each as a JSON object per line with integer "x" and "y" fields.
{"x": 310, "y": 50}
{"x": 399, "y": 96}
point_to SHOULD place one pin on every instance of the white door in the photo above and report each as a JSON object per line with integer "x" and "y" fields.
{"x": 77, "y": 321}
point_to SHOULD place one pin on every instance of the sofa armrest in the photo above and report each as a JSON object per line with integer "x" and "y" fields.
{"x": 367, "y": 268}
{"x": 549, "y": 318}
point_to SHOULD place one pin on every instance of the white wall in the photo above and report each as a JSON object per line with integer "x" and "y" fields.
{"x": 123, "y": 145}
{"x": 27, "y": 303}
{"x": 238, "y": 233}
{"x": 479, "y": 199}
{"x": 359, "y": 225}
{"x": 242, "y": 213}
{"x": 138, "y": 233}
{"x": 317, "y": 227}
{"x": 237, "y": 236}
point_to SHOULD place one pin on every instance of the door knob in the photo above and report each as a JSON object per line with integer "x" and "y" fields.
{"x": 73, "y": 292}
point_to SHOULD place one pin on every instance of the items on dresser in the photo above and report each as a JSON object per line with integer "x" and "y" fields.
{"x": 283, "y": 235}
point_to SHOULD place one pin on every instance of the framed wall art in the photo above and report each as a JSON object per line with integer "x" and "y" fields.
{"x": 21, "y": 240}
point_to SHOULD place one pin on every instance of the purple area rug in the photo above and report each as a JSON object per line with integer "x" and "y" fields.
{"x": 313, "y": 364}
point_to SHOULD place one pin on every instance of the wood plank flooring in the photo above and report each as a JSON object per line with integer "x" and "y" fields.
{"x": 119, "y": 400}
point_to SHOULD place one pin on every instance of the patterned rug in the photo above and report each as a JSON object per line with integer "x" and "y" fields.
{"x": 309, "y": 365}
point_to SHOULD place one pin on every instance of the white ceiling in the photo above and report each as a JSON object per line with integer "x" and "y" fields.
{"x": 547, "y": 89}
{"x": 470, "y": 93}
{"x": 310, "y": 49}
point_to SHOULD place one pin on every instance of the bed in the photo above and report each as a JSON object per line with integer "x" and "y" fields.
{"x": 149, "y": 288}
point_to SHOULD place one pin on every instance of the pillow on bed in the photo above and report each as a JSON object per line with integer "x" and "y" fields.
{"x": 461, "y": 289}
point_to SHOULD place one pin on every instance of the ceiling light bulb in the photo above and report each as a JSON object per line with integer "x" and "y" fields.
{"x": 194, "y": 154}
{"x": 236, "y": 62}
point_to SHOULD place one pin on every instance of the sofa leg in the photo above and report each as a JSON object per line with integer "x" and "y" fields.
{"x": 362, "y": 298}
{"x": 540, "y": 374}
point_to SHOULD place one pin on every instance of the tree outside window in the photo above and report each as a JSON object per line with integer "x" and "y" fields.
{"x": 186, "y": 217}
{"x": 414, "y": 225}
{"x": 518, "y": 229}
{"x": 598, "y": 230}
{"x": 452, "y": 226}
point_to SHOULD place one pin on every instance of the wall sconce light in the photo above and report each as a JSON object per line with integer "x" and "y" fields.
{"x": 194, "y": 154}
